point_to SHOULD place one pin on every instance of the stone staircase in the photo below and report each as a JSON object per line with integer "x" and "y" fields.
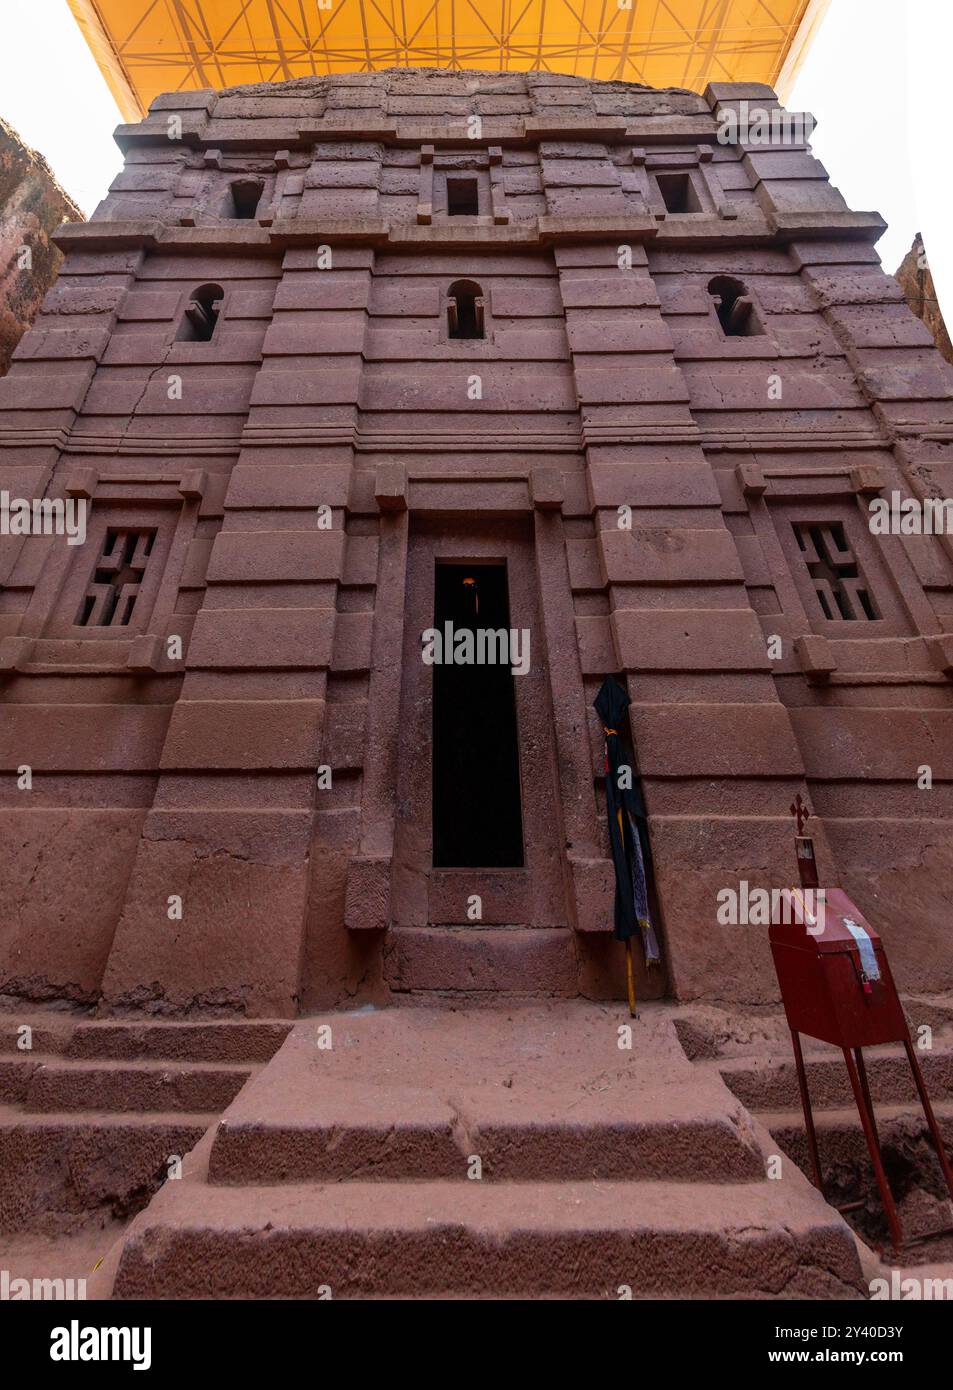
{"x": 514, "y": 1151}
{"x": 92, "y": 1113}
{"x": 761, "y": 1075}
{"x": 480, "y": 961}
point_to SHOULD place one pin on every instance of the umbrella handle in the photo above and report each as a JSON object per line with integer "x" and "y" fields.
{"x": 630, "y": 978}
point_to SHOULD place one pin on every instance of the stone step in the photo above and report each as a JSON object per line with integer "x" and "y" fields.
{"x": 840, "y": 1138}
{"x": 223, "y": 1041}
{"x": 80, "y": 1038}
{"x": 473, "y": 960}
{"x": 16, "y": 1072}
{"x": 134, "y": 1086}
{"x": 67, "y": 1259}
{"x": 772, "y": 1085}
{"x": 50, "y": 1032}
{"x": 58, "y": 1169}
{"x": 350, "y": 1147}
{"x": 415, "y": 1239}
{"x": 420, "y": 1093}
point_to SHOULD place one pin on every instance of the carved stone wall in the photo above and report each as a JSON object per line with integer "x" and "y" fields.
{"x": 692, "y": 379}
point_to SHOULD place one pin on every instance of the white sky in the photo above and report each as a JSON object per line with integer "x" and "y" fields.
{"x": 876, "y": 79}
{"x": 53, "y": 94}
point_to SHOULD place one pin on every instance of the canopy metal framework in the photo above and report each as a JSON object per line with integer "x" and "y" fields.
{"x": 145, "y": 47}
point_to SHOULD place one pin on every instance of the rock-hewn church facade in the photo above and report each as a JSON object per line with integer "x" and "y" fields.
{"x": 336, "y": 355}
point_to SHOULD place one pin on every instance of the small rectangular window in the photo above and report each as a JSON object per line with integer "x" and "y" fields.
{"x": 678, "y": 192}
{"x": 244, "y": 195}
{"x": 463, "y": 198}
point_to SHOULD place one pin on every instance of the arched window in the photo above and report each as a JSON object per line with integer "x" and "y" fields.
{"x": 242, "y": 198}
{"x": 734, "y": 308}
{"x": 201, "y": 315}
{"x": 465, "y": 310}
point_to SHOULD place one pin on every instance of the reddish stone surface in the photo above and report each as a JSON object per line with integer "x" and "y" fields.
{"x": 92, "y": 1113}
{"x": 492, "y": 1152}
{"x": 32, "y": 206}
{"x": 331, "y": 392}
{"x": 916, "y": 280}
{"x": 753, "y": 1057}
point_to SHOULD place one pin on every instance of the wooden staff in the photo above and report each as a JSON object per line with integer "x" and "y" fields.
{"x": 630, "y": 977}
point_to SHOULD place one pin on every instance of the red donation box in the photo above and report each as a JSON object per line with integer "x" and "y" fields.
{"x": 835, "y": 981}
{"x": 836, "y": 986}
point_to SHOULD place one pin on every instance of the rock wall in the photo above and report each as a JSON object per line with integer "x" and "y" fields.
{"x": 916, "y": 281}
{"x": 692, "y": 379}
{"x": 32, "y": 207}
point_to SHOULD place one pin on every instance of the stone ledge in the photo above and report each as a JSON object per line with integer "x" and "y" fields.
{"x": 774, "y": 229}
{"x": 351, "y": 231}
{"x": 633, "y": 227}
{"x": 827, "y": 226}
{"x": 107, "y": 236}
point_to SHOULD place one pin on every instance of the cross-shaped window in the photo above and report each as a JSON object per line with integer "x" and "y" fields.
{"x": 114, "y": 587}
{"x": 838, "y": 581}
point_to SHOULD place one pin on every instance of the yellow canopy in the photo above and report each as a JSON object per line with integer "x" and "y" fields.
{"x": 145, "y": 47}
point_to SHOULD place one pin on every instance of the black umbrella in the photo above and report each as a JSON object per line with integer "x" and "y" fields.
{"x": 628, "y": 833}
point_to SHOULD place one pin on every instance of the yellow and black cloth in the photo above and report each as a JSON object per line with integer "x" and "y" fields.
{"x": 628, "y": 827}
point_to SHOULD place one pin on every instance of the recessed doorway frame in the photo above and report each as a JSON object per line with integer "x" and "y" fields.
{"x": 422, "y": 893}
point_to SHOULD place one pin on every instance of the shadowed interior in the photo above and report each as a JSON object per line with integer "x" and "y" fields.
{"x": 477, "y": 820}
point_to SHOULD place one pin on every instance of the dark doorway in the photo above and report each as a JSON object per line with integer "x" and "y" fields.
{"x": 477, "y": 819}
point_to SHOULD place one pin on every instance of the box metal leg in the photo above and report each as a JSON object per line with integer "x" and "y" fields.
{"x": 808, "y": 1112}
{"x": 865, "y": 1110}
